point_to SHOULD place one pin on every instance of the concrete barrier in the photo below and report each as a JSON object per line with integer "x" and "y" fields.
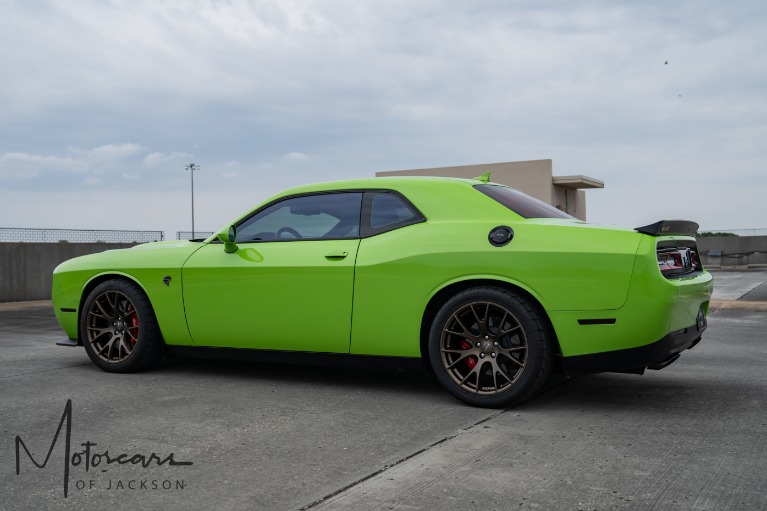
{"x": 733, "y": 251}
{"x": 26, "y": 268}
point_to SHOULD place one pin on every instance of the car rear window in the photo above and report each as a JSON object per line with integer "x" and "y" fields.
{"x": 520, "y": 203}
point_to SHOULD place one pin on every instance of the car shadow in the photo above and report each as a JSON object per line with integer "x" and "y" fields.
{"x": 652, "y": 394}
{"x": 393, "y": 375}
{"x": 609, "y": 392}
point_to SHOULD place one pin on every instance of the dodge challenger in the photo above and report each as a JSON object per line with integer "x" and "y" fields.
{"x": 491, "y": 288}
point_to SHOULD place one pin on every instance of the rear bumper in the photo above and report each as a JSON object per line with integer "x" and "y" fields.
{"x": 656, "y": 355}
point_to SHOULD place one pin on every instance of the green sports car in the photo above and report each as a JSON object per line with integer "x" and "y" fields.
{"x": 490, "y": 287}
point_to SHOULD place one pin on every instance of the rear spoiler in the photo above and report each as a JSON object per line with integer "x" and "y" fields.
{"x": 682, "y": 227}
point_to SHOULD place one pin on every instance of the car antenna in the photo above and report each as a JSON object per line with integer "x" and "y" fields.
{"x": 484, "y": 177}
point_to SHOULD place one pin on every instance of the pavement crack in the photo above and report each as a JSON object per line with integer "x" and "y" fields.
{"x": 553, "y": 383}
{"x": 403, "y": 459}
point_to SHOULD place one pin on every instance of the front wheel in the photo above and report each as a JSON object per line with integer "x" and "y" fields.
{"x": 489, "y": 347}
{"x": 118, "y": 328}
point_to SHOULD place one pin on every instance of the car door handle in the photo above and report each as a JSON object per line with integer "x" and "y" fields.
{"x": 337, "y": 254}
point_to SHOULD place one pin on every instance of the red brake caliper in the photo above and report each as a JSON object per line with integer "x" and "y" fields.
{"x": 471, "y": 360}
{"x": 133, "y": 322}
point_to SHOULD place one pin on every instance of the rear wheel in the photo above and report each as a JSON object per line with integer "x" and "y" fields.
{"x": 118, "y": 328}
{"x": 489, "y": 347}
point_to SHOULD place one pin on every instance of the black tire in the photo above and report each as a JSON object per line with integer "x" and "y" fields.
{"x": 119, "y": 329}
{"x": 490, "y": 348}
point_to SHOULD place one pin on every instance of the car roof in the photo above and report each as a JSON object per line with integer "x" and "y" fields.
{"x": 385, "y": 182}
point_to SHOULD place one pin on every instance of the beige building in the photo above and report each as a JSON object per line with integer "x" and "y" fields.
{"x": 533, "y": 177}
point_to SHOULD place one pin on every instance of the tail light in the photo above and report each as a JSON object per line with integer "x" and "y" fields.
{"x": 678, "y": 261}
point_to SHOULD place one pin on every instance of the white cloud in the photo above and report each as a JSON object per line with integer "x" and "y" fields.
{"x": 156, "y": 159}
{"x": 108, "y": 153}
{"x": 19, "y": 165}
{"x": 295, "y": 157}
{"x": 373, "y": 86}
{"x": 51, "y": 170}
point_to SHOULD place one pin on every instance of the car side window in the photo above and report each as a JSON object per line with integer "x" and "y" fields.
{"x": 385, "y": 211}
{"x": 521, "y": 203}
{"x": 308, "y": 217}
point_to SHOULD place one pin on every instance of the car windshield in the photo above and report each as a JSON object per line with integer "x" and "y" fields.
{"x": 520, "y": 203}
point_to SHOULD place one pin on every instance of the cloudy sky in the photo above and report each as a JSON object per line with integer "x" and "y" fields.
{"x": 102, "y": 103}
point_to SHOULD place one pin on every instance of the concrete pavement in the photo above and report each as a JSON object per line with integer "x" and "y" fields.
{"x": 735, "y": 285}
{"x": 277, "y": 436}
{"x": 744, "y": 290}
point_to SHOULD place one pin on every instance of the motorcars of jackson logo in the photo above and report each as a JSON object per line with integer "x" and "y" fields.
{"x": 88, "y": 456}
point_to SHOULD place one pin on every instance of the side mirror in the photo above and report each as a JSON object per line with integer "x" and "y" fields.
{"x": 229, "y": 239}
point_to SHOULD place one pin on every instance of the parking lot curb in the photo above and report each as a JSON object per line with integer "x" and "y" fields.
{"x": 17, "y": 306}
{"x": 716, "y": 305}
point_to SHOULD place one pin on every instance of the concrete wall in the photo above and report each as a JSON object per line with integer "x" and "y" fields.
{"x": 736, "y": 251}
{"x": 569, "y": 200}
{"x": 26, "y": 268}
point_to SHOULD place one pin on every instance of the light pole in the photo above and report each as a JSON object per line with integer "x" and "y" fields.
{"x": 192, "y": 167}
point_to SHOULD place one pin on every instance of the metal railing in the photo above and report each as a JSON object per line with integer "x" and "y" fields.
{"x": 187, "y": 235}
{"x": 17, "y": 234}
{"x": 736, "y": 232}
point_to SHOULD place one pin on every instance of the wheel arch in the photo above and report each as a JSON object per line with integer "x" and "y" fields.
{"x": 94, "y": 282}
{"x": 443, "y": 294}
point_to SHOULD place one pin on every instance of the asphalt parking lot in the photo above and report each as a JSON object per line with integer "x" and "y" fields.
{"x": 245, "y": 435}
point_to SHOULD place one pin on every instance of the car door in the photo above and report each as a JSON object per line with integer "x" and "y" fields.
{"x": 289, "y": 285}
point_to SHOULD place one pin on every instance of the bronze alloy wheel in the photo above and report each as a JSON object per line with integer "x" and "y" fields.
{"x": 112, "y": 327}
{"x": 483, "y": 348}
{"x": 118, "y": 327}
{"x": 491, "y": 347}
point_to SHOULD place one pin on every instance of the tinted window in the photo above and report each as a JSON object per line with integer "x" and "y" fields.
{"x": 387, "y": 209}
{"x": 520, "y": 203}
{"x": 325, "y": 216}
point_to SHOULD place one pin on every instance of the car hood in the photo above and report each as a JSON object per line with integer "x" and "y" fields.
{"x": 160, "y": 245}
{"x": 161, "y": 254}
